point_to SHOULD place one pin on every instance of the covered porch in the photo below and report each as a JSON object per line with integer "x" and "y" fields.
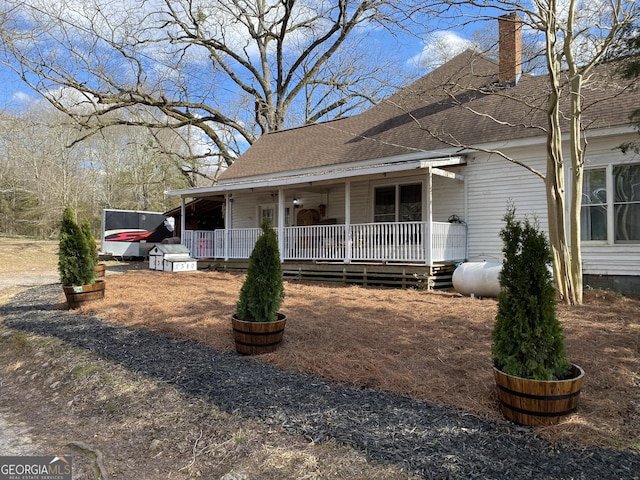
{"x": 409, "y": 211}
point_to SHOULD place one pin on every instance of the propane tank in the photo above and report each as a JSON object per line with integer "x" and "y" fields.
{"x": 477, "y": 279}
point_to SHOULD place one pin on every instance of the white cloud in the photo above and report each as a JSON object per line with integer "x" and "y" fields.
{"x": 439, "y": 48}
{"x": 74, "y": 100}
{"x": 22, "y": 98}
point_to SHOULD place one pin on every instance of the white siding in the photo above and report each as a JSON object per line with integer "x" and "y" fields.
{"x": 611, "y": 259}
{"x": 334, "y": 200}
{"x": 308, "y": 200}
{"x": 602, "y": 152}
{"x": 448, "y": 199}
{"x": 244, "y": 209}
{"x": 362, "y": 202}
{"x": 492, "y": 183}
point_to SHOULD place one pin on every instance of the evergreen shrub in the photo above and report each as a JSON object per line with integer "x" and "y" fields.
{"x": 91, "y": 241}
{"x": 75, "y": 257}
{"x": 528, "y": 340}
{"x": 262, "y": 292}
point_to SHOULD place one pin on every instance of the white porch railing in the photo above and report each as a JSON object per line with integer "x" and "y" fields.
{"x": 199, "y": 242}
{"x": 383, "y": 242}
{"x": 448, "y": 241}
{"x": 316, "y": 242}
{"x": 395, "y": 242}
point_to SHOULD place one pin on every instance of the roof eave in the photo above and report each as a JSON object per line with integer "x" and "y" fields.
{"x": 323, "y": 174}
{"x": 542, "y": 139}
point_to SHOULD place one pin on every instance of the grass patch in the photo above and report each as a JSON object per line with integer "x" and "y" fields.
{"x": 85, "y": 370}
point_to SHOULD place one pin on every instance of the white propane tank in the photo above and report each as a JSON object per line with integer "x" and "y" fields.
{"x": 479, "y": 279}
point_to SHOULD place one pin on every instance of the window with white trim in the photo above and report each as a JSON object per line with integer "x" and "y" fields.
{"x": 398, "y": 203}
{"x": 612, "y": 217}
{"x": 270, "y": 212}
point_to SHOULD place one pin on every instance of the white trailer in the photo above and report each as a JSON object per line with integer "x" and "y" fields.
{"x": 132, "y": 233}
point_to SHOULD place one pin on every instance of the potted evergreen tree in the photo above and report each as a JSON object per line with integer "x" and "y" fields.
{"x": 537, "y": 385}
{"x": 100, "y": 268}
{"x": 258, "y": 327}
{"x": 76, "y": 264}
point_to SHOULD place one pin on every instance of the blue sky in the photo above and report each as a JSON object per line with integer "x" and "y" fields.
{"x": 14, "y": 94}
{"x": 417, "y": 54}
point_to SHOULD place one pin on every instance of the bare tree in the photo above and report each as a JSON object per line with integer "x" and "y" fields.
{"x": 129, "y": 169}
{"x": 231, "y": 69}
{"x": 575, "y": 35}
{"x": 40, "y": 173}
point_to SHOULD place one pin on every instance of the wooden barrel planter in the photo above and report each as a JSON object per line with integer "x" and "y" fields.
{"x": 253, "y": 338}
{"x": 100, "y": 269}
{"x": 79, "y": 295}
{"x": 535, "y": 402}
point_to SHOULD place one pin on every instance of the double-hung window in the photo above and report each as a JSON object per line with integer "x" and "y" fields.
{"x": 398, "y": 203}
{"x": 611, "y": 204}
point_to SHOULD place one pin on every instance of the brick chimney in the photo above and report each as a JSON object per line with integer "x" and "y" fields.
{"x": 510, "y": 44}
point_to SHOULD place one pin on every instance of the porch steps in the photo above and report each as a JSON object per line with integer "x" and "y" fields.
{"x": 365, "y": 274}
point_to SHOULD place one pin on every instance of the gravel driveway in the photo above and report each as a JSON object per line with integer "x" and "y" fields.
{"x": 15, "y": 437}
{"x": 434, "y": 441}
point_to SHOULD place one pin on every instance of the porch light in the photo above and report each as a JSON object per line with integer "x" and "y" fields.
{"x": 296, "y": 202}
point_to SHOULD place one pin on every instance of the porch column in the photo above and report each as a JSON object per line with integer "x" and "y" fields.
{"x": 347, "y": 222}
{"x": 281, "y": 222}
{"x": 429, "y": 233}
{"x": 227, "y": 224}
{"x": 183, "y": 222}
{"x": 183, "y": 240}
{"x": 466, "y": 216}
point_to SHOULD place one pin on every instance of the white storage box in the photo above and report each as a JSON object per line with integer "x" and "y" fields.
{"x": 171, "y": 258}
{"x": 180, "y": 265}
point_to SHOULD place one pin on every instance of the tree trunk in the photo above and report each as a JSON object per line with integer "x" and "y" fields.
{"x": 554, "y": 180}
{"x": 554, "y": 183}
{"x": 577, "y": 164}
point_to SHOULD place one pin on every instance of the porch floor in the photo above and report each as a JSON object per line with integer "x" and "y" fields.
{"x": 366, "y": 274}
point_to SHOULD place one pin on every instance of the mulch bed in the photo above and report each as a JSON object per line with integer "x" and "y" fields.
{"x": 431, "y": 440}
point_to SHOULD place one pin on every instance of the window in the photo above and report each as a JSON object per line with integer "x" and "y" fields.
{"x": 270, "y": 212}
{"x": 398, "y": 203}
{"x": 410, "y": 203}
{"x": 267, "y": 212}
{"x": 626, "y": 188}
{"x": 385, "y": 206}
{"x": 621, "y": 209}
{"x": 593, "y": 217}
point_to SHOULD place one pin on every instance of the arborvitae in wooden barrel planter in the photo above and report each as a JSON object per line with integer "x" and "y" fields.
{"x": 537, "y": 385}
{"x": 258, "y": 327}
{"x": 76, "y": 264}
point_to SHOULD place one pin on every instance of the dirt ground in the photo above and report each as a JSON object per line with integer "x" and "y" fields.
{"x": 432, "y": 346}
{"x": 55, "y": 399}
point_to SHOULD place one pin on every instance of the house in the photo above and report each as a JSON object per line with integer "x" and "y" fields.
{"x": 418, "y": 182}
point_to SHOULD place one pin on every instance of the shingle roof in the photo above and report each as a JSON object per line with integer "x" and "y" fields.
{"x": 456, "y": 104}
